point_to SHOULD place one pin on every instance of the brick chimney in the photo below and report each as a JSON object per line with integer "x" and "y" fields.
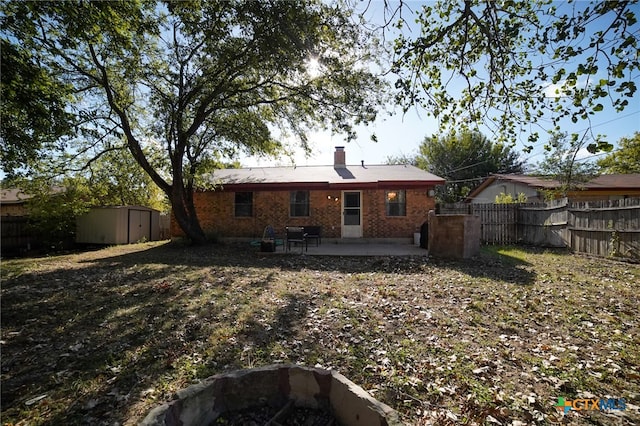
{"x": 339, "y": 159}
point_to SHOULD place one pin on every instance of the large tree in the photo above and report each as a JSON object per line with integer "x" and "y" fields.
{"x": 519, "y": 67}
{"x": 563, "y": 162}
{"x": 34, "y": 119}
{"x": 626, "y": 159}
{"x": 464, "y": 159}
{"x": 187, "y": 84}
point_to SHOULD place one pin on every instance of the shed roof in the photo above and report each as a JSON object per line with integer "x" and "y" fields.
{"x": 322, "y": 176}
{"x": 124, "y": 207}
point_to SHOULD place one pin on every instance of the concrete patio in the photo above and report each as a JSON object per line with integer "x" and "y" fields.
{"x": 340, "y": 247}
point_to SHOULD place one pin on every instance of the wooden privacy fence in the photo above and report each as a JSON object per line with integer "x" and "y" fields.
{"x": 499, "y": 222}
{"x": 607, "y": 228}
{"x": 15, "y": 234}
{"x": 543, "y": 224}
{"x": 601, "y": 228}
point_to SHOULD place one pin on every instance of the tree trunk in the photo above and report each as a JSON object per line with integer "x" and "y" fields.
{"x": 188, "y": 222}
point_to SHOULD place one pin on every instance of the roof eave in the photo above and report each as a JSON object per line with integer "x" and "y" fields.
{"x": 299, "y": 186}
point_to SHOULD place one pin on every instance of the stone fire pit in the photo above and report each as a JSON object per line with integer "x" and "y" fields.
{"x": 280, "y": 387}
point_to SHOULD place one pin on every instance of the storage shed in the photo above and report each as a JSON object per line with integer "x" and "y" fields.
{"x": 118, "y": 225}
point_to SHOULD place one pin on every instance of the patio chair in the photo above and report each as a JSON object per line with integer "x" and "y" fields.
{"x": 314, "y": 233}
{"x": 295, "y": 235}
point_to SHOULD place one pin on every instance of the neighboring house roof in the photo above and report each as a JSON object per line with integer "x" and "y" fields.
{"x": 602, "y": 182}
{"x": 16, "y": 196}
{"x": 13, "y": 196}
{"x": 309, "y": 177}
{"x": 532, "y": 181}
{"x": 616, "y": 181}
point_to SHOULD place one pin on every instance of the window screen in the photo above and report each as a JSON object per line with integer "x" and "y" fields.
{"x": 299, "y": 203}
{"x": 395, "y": 203}
{"x": 244, "y": 204}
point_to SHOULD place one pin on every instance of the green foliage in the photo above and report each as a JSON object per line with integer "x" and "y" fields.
{"x": 614, "y": 244}
{"x": 626, "y": 159}
{"x": 503, "y": 198}
{"x": 464, "y": 159}
{"x": 53, "y": 210}
{"x": 402, "y": 159}
{"x": 561, "y": 162}
{"x": 191, "y": 85}
{"x": 113, "y": 179}
{"x": 507, "y": 54}
{"x": 34, "y": 119}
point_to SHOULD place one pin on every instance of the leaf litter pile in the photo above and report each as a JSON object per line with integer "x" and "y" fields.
{"x": 288, "y": 415}
{"x": 102, "y": 337}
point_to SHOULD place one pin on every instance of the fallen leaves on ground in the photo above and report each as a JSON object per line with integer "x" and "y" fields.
{"x": 102, "y": 337}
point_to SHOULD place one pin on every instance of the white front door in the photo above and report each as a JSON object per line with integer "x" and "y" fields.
{"x": 351, "y": 214}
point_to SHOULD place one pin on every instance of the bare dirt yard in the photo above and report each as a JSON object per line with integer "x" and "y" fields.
{"x": 101, "y": 337}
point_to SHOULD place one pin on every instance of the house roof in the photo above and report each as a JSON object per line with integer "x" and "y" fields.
{"x": 13, "y": 196}
{"x": 532, "y": 181}
{"x": 602, "y": 182}
{"x": 17, "y": 196}
{"x": 615, "y": 181}
{"x": 309, "y": 177}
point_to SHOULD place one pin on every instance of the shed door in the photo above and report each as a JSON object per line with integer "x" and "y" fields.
{"x": 351, "y": 214}
{"x": 139, "y": 225}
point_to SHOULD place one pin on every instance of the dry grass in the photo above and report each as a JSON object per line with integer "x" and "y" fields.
{"x": 101, "y": 337}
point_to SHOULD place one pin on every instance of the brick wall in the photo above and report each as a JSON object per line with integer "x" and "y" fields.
{"x": 216, "y": 213}
{"x": 456, "y": 236}
{"x": 376, "y": 223}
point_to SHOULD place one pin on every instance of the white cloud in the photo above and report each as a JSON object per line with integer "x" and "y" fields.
{"x": 553, "y": 91}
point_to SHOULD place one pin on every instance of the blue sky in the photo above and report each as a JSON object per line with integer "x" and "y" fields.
{"x": 398, "y": 135}
{"x": 401, "y": 134}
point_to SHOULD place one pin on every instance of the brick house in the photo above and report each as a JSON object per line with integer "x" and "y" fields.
{"x": 14, "y": 234}
{"x": 12, "y": 202}
{"x": 347, "y": 201}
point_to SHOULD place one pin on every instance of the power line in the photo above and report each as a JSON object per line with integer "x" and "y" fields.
{"x": 530, "y": 157}
{"x": 611, "y": 121}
